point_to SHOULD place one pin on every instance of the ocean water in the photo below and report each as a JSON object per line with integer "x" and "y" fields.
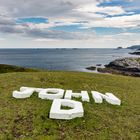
{"x": 60, "y": 59}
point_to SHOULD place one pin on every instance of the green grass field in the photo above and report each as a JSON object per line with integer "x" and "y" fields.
{"x": 27, "y": 119}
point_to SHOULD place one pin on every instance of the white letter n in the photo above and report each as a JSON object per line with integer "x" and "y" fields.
{"x": 109, "y": 97}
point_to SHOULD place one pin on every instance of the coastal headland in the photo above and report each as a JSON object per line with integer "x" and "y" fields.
{"x": 124, "y": 66}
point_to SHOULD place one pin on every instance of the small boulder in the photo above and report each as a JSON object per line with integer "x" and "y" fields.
{"x": 98, "y": 65}
{"x": 91, "y": 68}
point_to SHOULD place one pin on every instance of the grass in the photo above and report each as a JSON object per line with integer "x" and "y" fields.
{"x": 27, "y": 119}
{"x": 138, "y": 59}
{"x": 4, "y": 68}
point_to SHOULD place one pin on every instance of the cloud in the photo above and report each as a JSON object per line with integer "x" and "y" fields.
{"x": 2, "y": 39}
{"x": 19, "y": 8}
{"x": 128, "y": 21}
{"x": 54, "y": 34}
{"x": 4, "y": 20}
{"x": 109, "y": 10}
{"x": 42, "y": 30}
{"x": 85, "y": 14}
{"x": 39, "y": 31}
{"x": 56, "y": 8}
{"x": 45, "y": 40}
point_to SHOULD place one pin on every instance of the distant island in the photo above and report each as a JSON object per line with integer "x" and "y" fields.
{"x": 118, "y": 48}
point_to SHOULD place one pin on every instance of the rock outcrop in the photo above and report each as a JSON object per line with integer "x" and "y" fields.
{"x": 134, "y": 47}
{"x": 135, "y": 53}
{"x": 118, "y": 48}
{"x": 91, "y": 68}
{"x": 125, "y": 66}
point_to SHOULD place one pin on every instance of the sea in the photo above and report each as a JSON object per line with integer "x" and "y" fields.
{"x": 61, "y": 59}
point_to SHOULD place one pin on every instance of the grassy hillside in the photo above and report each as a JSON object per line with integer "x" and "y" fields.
{"x": 27, "y": 119}
{"x": 4, "y": 68}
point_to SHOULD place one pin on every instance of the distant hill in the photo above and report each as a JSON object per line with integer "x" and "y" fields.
{"x": 134, "y": 47}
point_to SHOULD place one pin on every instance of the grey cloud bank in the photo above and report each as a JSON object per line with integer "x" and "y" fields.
{"x": 85, "y": 15}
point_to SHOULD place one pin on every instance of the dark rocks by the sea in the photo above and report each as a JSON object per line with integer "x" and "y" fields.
{"x": 134, "y": 47}
{"x": 99, "y": 65}
{"x": 124, "y": 66}
{"x": 91, "y": 68}
{"x": 135, "y": 53}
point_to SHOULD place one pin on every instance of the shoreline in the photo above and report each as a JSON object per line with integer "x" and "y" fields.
{"x": 124, "y": 66}
{"x": 6, "y": 68}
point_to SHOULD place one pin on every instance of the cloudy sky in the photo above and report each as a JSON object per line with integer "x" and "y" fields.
{"x": 69, "y": 23}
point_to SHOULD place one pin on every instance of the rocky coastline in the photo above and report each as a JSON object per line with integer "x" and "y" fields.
{"x": 135, "y": 53}
{"x": 124, "y": 66}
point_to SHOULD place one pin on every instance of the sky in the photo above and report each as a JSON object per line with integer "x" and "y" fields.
{"x": 69, "y": 23}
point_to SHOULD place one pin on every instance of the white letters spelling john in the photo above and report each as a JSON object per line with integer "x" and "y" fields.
{"x": 57, "y": 95}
